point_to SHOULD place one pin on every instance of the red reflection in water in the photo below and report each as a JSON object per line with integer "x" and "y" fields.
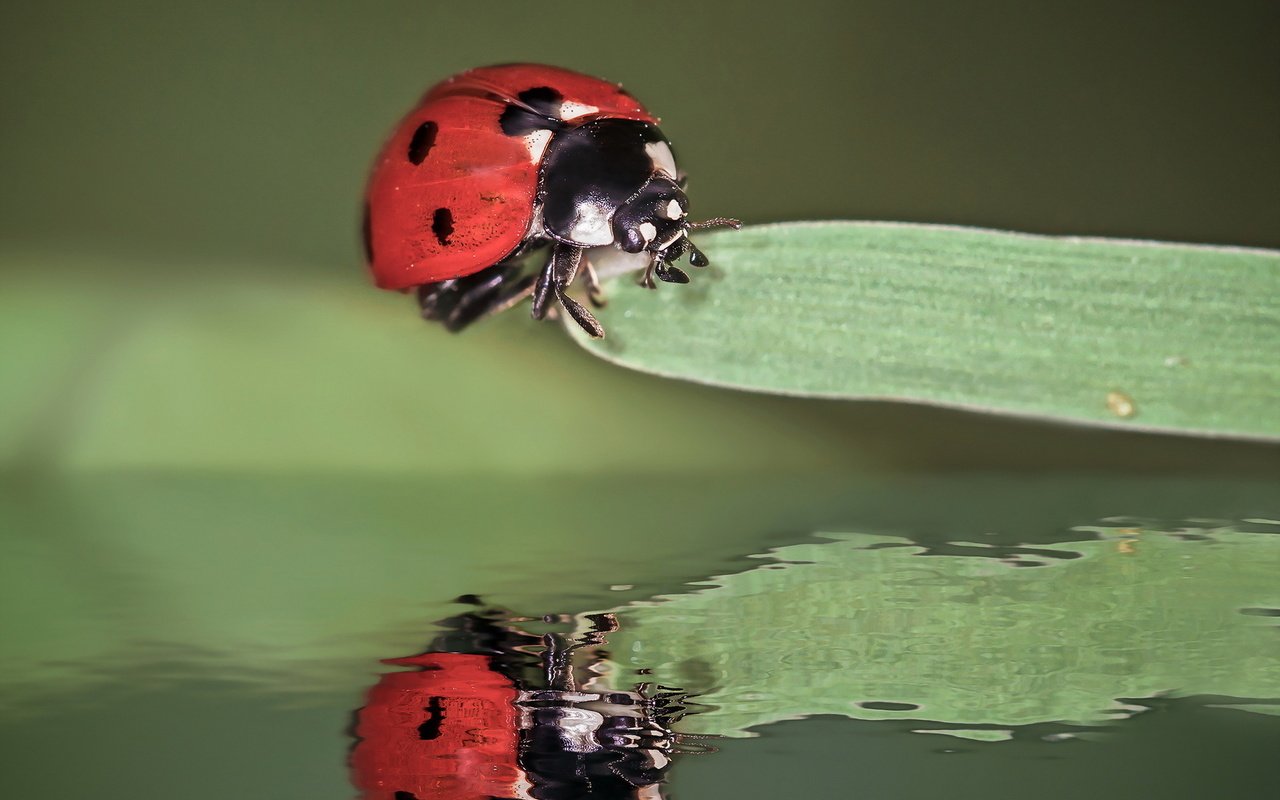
{"x": 447, "y": 729}
{"x": 494, "y": 717}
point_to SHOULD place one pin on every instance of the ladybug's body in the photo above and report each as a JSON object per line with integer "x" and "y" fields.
{"x": 501, "y": 160}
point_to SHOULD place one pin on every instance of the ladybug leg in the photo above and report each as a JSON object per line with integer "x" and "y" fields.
{"x": 562, "y": 264}
{"x": 556, "y": 278}
{"x": 566, "y": 270}
{"x": 431, "y": 296}
{"x": 476, "y": 305}
{"x": 458, "y": 302}
{"x": 595, "y": 294}
{"x": 542, "y": 292}
{"x": 470, "y": 303}
{"x": 646, "y": 279}
{"x": 661, "y": 267}
{"x": 510, "y": 297}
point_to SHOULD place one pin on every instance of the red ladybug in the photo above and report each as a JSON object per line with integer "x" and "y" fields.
{"x": 498, "y": 161}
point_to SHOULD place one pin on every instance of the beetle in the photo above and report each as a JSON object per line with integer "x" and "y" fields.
{"x": 500, "y": 161}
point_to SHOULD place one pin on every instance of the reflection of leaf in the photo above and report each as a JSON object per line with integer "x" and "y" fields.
{"x": 971, "y": 641}
{"x": 1149, "y": 335}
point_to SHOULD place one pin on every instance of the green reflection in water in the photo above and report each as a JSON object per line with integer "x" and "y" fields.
{"x": 825, "y": 627}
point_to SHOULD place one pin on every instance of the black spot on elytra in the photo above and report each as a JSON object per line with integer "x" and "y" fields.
{"x": 543, "y": 99}
{"x": 403, "y": 795}
{"x": 442, "y": 225}
{"x": 366, "y": 234}
{"x": 536, "y": 111}
{"x": 424, "y": 138}
{"x": 431, "y": 728}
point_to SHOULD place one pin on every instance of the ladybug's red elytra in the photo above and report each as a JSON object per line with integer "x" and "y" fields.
{"x": 498, "y": 161}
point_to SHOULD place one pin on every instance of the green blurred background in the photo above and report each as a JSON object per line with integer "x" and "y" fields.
{"x": 225, "y": 454}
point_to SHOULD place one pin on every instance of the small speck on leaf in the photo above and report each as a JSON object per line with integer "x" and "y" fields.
{"x": 1121, "y": 404}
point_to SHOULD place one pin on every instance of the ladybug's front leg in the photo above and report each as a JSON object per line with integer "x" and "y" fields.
{"x": 660, "y": 265}
{"x": 556, "y": 278}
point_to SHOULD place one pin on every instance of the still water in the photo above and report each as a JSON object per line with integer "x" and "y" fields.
{"x": 974, "y": 636}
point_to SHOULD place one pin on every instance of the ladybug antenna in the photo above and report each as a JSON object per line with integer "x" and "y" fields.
{"x": 696, "y": 257}
{"x": 716, "y": 222}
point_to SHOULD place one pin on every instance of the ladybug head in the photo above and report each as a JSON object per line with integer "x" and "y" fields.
{"x": 655, "y": 220}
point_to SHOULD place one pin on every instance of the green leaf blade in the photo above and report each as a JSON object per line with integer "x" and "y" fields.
{"x": 1061, "y": 328}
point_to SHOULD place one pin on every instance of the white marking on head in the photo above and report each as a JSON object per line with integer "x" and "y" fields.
{"x": 648, "y": 230}
{"x": 662, "y": 158}
{"x": 591, "y": 226}
{"x": 674, "y": 211}
{"x": 536, "y": 143}
{"x": 571, "y": 110}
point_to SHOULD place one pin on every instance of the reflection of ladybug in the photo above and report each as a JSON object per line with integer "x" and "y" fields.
{"x": 487, "y": 725}
{"x": 445, "y": 730}
{"x": 500, "y": 160}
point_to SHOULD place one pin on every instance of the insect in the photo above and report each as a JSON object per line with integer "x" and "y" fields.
{"x": 500, "y": 161}
{"x": 492, "y": 710}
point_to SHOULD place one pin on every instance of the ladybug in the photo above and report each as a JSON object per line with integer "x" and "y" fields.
{"x": 500, "y": 161}
{"x": 493, "y": 711}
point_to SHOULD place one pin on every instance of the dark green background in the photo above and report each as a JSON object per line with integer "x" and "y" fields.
{"x": 243, "y": 130}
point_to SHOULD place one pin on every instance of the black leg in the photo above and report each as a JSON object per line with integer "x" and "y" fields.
{"x": 458, "y": 302}
{"x": 433, "y": 296}
{"x": 472, "y": 301}
{"x": 542, "y": 292}
{"x": 555, "y": 279}
{"x": 580, "y": 314}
